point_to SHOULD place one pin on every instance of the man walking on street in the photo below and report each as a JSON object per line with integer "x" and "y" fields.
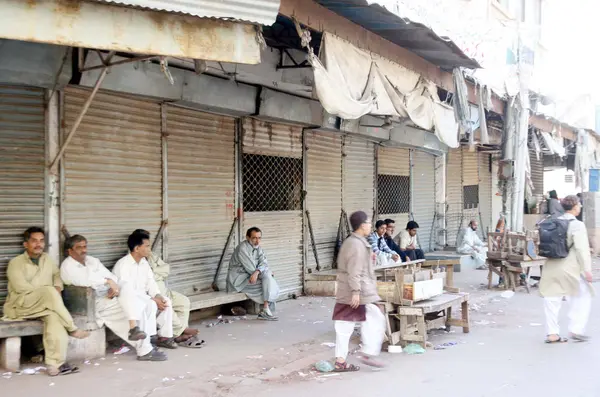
{"x": 569, "y": 278}
{"x": 356, "y": 297}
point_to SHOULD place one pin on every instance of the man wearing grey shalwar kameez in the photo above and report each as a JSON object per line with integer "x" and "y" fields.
{"x": 249, "y": 273}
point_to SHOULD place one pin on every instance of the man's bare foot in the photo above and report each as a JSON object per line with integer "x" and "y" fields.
{"x": 79, "y": 334}
{"x": 183, "y": 337}
{"x": 190, "y": 331}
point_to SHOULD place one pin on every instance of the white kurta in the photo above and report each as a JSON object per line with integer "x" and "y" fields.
{"x": 140, "y": 280}
{"x": 472, "y": 245}
{"x": 111, "y": 312}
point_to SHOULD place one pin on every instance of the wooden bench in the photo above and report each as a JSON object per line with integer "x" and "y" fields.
{"x": 414, "y": 321}
{"x": 81, "y": 304}
{"x": 212, "y": 299}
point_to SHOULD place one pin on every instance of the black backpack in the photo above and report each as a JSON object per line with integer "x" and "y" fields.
{"x": 553, "y": 238}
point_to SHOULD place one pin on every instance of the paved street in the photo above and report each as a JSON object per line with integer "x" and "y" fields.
{"x": 502, "y": 356}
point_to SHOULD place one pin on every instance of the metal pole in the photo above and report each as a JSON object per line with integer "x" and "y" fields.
{"x": 82, "y": 113}
{"x": 164, "y": 134}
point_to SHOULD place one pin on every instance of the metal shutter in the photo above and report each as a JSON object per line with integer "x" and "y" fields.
{"x": 359, "y": 172}
{"x": 454, "y": 195}
{"x": 281, "y": 230}
{"x": 324, "y": 193}
{"x": 537, "y": 175}
{"x": 423, "y": 197}
{"x": 470, "y": 167}
{"x": 113, "y": 171}
{"x": 394, "y": 161}
{"x": 201, "y": 198}
{"x": 22, "y": 168}
{"x": 485, "y": 194}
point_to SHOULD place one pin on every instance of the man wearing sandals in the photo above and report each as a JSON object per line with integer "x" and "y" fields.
{"x": 249, "y": 273}
{"x": 34, "y": 292}
{"x": 184, "y": 335}
{"x": 356, "y": 297}
{"x": 116, "y": 305}
{"x": 133, "y": 270}
{"x": 569, "y": 278}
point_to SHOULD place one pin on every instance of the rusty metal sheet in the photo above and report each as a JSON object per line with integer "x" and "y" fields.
{"x": 111, "y": 27}
{"x": 263, "y": 12}
{"x": 22, "y": 170}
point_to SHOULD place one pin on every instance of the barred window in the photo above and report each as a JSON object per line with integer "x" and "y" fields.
{"x": 393, "y": 194}
{"x": 470, "y": 196}
{"x": 272, "y": 183}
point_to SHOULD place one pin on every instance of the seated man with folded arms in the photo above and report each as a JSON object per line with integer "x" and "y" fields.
{"x": 116, "y": 306}
{"x": 249, "y": 273}
{"x": 184, "y": 335}
{"x": 390, "y": 226}
{"x": 408, "y": 242}
{"x": 133, "y": 269}
{"x": 34, "y": 293}
{"x": 384, "y": 255}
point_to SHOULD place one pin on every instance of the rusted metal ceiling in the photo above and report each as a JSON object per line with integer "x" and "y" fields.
{"x": 413, "y": 36}
{"x": 262, "y": 12}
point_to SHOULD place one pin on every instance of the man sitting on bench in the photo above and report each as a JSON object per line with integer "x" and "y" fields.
{"x": 249, "y": 273}
{"x": 116, "y": 306}
{"x": 134, "y": 270}
{"x": 384, "y": 255}
{"x": 34, "y": 288}
{"x": 408, "y": 242}
{"x": 184, "y": 335}
{"x": 390, "y": 226}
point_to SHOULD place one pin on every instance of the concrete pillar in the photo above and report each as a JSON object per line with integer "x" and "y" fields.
{"x": 440, "y": 200}
{"x": 10, "y": 353}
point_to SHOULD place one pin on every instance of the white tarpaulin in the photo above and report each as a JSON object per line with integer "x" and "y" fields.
{"x": 351, "y": 83}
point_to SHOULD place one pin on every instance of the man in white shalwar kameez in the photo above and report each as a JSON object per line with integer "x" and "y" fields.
{"x": 134, "y": 270}
{"x": 472, "y": 245}
{"x": 116, "y": 306}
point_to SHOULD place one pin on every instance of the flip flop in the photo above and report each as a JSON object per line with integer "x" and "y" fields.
{"x": 580, "y": 338}
{"x": 193, "y": 343}
{"x": 166, "y": 344}
{"x": 345, "y": 367}
{"x": 559, "y": 340}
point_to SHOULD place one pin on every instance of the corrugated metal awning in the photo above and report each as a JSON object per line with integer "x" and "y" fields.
{"x": 413, "y": 36}
{"x": 262, "y": 12}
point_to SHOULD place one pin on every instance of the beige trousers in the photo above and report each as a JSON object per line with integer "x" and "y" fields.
{"x": 46, "y": 304}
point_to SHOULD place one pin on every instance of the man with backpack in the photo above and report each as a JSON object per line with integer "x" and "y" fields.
{"x": 567, "y": 272}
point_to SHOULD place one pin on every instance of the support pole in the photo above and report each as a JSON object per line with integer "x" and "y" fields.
{"x": 79, "y": 118}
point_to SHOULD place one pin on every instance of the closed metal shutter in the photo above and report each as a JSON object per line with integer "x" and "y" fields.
{"x": 281, "y": 229}
{"x": 470, "y": 178}
{"x": 393, "y": 193}
{"x": 537, "y": 176}
{"x": 423, "y": 197}
{"x": 324, "y": 193}
{"x": 113, "y": 171}
{"x": 201, "y": 181}
{"x": 359, "y": 174}
{"x": 485, "y": 194}
{"x": 22, "y": 166}
{"x": 454, "y": 195}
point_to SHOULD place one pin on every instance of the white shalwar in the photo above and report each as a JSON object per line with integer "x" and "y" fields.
{"x": 472, "y": 245}
{"x": 580, "y": 306}
{"x": 140, "y": 278}
{"x": 114, "y": 313}
{"x": 372, "y": 332}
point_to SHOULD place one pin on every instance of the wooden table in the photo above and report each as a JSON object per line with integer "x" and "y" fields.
{"x": 511, "y": 271}
{"x": 449, "y": 265}
{"x": 414, "y": 321}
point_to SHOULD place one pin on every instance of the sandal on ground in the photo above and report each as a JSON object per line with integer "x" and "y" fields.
{"x": 371, "y": 362}
{"x": 579, "y": 338}
{"x": 166, "y": 343}
{"x": 64, "y": 369}
{"x": 136, "y": 334}
{"x": 154, "y": 355}
{"x": 559, "y": 340}
{"x": 193, "y": 343}
{"x": 345, "y": 367}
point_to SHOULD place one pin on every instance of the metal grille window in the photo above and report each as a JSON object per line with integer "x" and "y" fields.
{"x": 470, "y": 196}
{"x": 272, "y": 183}
{"x": 568, "y": 178}
{"x": 393, "y": 194}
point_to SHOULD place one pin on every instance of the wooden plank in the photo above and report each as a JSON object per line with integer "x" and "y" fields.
{"x": 410, "y": 311}
{"x": 436, "y": 324}
{"x": 9, "y": 329}
{"x": 453, "y": 290}
{"x": 455, "y": 322}
{"x": 399, "y": 265}
{"x": 213, "y": 299}
{"x": 414, "y": 338}
{"x": 465, "y": 317}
